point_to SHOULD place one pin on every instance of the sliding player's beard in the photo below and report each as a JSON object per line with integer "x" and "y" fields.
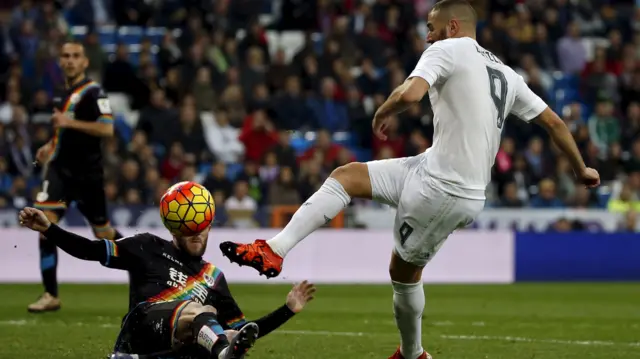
{"x": 193, "y": 246}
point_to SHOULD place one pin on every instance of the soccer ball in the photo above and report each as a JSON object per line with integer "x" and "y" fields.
{"x": 187, "y": 208}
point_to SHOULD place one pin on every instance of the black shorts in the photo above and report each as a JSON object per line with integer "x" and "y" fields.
{"x": 150, "y": 328}
{"x": 61, "y": 187}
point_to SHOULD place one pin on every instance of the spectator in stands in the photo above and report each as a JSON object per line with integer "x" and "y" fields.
{"x": 285, "y": 154}
{"x": 631, "y": 125}
{"x": 604, "y": 128}
{"x": 8, "y": 108}
{"x": 565, "y": 180}
{"x": 203, "y": 90}
{"x": 256, "y": 188}
{"x": 535, "y": 157}
{"x": 254, "y": 71}
{"x": 599, "y": 78}
{"x": 119, "y": 74}
{"x": 279, "y": 71}
{"x": 323, "y": 148}
{"x": 217, "y": 180}
{"x": 329, "y": 113}
{"x": 221, "y": 215}
{"x": 546, "y": 197}
{"x": 233, "y": 101}
{"x": 626, "y": 201}
{"x": 630, "y": 222}
{"x": 270, "y": 170}
{"x": 258, "y": 135}
{"x": 241, "y": 200}
{"x": 292, "y": 111}
{"x": 189, "y": 133}
{"x": 572, "y": 54}
{"x": 223, "y": 139}
{"x": 283, "y": 191}
{"x": 173, "y": 163}
{"x": 20, "y": 156}
{"x": 510, "y": 196}
{"x": 6, "y": 181}
{"x": 612, "y": 168}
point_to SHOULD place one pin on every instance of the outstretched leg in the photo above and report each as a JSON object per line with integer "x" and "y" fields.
{"x": 266, "y": 257}
{"x": 198, "y": 324}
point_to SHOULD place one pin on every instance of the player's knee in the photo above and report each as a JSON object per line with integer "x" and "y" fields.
{"x": 404, "y": 272}
{"x": 354, "y": 177}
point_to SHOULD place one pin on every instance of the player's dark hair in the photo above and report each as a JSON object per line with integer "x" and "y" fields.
{"x": 457, "y": 8}
{"x": 72, "y": 42}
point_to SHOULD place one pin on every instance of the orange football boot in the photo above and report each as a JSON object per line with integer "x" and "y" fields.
{"x": 398, "y": 355}
{"x": 257, "y": 255}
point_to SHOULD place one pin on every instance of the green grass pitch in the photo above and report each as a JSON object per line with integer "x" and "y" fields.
{"x": 523, "y": 321}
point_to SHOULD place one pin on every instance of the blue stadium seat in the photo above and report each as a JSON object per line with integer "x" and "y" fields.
{"x": 159, "y": 150}
{"x": 155, "y": 34}
{"x": 120, "y": 125}
{"x": 343, "y": 138}
{"x": 205, "y": 168}
{"x": 107, "y": 35}
{"x": 79, "y": 32}
{"x": 562, "y": 81}
{"x": 233, "y": 170}
{"x": 130, "y": 35}
{"x": 362, "y": 155}
{"x": 300, "y": 144}
{"x": 134, "y": 58}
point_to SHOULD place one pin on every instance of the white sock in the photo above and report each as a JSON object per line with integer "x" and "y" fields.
{"x": 408, "y": 305}
{"x": 319, "y": 209}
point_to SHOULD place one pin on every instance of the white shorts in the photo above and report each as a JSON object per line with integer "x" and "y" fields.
{"x": 426, "y": 215}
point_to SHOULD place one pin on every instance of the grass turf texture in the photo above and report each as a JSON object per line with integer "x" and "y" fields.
{"x": 523, "y": 321}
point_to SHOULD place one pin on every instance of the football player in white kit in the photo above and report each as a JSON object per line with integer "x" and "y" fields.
{"x": 472, "y": 92}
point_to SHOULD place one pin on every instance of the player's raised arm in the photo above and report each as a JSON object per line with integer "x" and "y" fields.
{"x": 529, "y": 107}
{"x": 112, "y": 254}
{"x": 436, "y": 64}
{"x": 231, "y": 315}
{"x": 75, "y": 245}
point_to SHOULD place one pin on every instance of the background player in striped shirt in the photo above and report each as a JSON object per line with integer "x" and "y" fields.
{"x": 72, "y": 162}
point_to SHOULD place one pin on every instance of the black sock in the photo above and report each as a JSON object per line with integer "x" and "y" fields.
{"x": 48, "y": 266}
{"x": 209, "y": 335}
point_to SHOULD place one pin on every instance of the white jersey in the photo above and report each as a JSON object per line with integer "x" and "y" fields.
{"x": 472, "y": 92}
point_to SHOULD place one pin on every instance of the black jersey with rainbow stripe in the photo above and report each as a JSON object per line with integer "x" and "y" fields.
{"x": 159, "y": 272}
{"x": 74, "y": 150}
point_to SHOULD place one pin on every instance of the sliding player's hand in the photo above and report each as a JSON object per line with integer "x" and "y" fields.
{"x": 300, "y": 295}
{"x": 34, "y": 219}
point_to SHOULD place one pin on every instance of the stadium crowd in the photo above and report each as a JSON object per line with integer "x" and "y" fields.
{"x": 215, "y": 102}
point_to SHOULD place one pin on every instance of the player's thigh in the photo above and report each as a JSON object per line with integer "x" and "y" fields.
{"x": 157, "y": 329}
{"x": 425, "y": 218}
{"x": 388, "y": 178}
{"x": 92, "y": 203}
{"x": 53, "y": 193}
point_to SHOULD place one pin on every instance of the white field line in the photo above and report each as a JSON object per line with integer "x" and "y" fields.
{"x": 366, "y": 334}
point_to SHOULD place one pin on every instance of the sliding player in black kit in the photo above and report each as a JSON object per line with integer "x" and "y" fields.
{"x": 72, "y": 162}
{"x": 179, "y": 303}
